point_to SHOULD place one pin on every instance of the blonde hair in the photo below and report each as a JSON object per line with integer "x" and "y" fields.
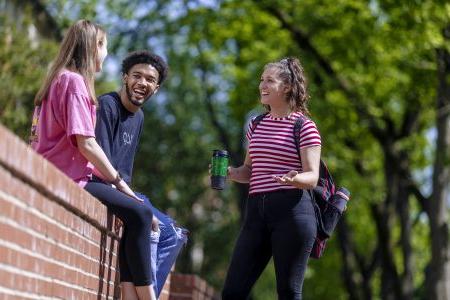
{"x": 78, "y": 52}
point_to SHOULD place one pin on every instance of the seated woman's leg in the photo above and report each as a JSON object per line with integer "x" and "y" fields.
{"x": 146, "y": 292}
{"x": 137, "y": 219}
{"x": 129, "y": 291}
{"x": 126, "y": 281}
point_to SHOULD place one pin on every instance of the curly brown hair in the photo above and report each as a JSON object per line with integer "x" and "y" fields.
{"x": 292, "y": 74}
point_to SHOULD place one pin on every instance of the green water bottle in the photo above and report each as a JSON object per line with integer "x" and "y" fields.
{"x": 219, "y": 169}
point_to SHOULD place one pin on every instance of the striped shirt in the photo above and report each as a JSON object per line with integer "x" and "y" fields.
{"x": 273, "y": 152}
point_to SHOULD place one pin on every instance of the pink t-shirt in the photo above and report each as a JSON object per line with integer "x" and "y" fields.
{"x": 65, "y": 112}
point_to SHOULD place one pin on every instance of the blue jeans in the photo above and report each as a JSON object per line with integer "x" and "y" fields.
{"x": 165, "y": 246}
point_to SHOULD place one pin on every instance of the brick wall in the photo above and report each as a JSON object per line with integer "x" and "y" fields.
{"x": 187, "y": 286}
{"x": 57, "y": 241}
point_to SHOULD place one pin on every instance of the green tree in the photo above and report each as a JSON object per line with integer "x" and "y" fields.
{"x": 379, "y": 80}
{"x": 23, "y": 63}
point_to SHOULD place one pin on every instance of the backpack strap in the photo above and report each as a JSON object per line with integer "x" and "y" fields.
{"x": 256, "y": 121}
{"x": 297, "y": 128}
{"x": 326, "y": 182}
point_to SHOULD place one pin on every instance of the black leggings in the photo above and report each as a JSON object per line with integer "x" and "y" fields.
{"x": 281, "y": 224}
{"x": 134, "y": 248}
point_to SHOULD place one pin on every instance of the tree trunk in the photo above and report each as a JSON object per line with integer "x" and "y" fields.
{"x": 44, "y": 22}
{"x": 350, "y": 271}
{"x": 401, "y": 198}
{"x": 393, "y": 284}
{"x": 403, "y": 211}
{"x": 390, "y": 284}
{"x": 437, "y": 282}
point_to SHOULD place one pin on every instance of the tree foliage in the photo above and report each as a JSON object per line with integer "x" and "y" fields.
{"x": 378, "y": 78}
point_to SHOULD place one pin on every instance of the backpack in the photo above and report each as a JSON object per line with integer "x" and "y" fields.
{"x": 329, "y": 202}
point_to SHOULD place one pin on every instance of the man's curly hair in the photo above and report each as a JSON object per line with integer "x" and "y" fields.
{"x": 145, "y": 57}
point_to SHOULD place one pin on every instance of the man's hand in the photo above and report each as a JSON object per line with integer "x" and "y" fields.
{"x": 117, "y": 224}
{"x": 155, "y": 224}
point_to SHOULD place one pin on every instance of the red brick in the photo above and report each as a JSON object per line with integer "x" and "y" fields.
{"x": 62, "y": 206}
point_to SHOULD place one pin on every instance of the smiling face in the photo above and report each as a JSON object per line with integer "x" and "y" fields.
{"x": 141, "y": 82}
{"x": 102, "y": 51}
{"x": 271, "y": 88}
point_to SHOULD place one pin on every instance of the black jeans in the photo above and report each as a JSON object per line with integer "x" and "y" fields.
{"x": 134, "y": 248}
{"x": 281, "y": 224}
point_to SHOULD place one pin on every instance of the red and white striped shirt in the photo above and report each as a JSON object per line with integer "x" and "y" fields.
{"x": 273, "y": 152}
